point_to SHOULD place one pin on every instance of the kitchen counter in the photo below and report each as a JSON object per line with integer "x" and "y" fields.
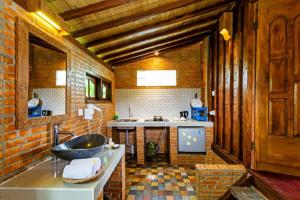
{"x": 45, "y": 180}
{"x": 141, "y": 123}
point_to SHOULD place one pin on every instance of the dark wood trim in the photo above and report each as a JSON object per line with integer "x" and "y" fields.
{"x": 167, "y": 37}
{"x": 202, "y": 13}
{"x": 159, "y": 47}
{"x": 205, "y": 23}
{"x": 23, "y": 29}
{"x": 151, "y": 54}
{"x": 97, "y": 101}
{"x": 80, "y": 46}
{"x": 140, "y": 15}
{"x": 230, "y": 159}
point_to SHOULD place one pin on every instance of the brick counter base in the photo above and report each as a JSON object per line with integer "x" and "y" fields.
{"x": 115, "y": 187}
{"x": 213, "y": 180}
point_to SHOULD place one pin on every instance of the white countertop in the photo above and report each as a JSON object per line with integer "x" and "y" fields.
{"x": 171, "y": 123}
{"x": 44, "y": 182}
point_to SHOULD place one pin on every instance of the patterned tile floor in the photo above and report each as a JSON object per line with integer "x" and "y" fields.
{"x": 158, "y": 180}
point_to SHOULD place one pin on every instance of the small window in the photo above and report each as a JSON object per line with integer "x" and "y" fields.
{"x": 106, "y": 90}
{"x": 97, "y": 89}
{"x": 90, "y": 88}
{"x": 156, "y": 78}
{"x": 61, "y": 77}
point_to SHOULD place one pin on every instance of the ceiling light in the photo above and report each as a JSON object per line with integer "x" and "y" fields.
{"x": 156, "y": 53}
{"x": 48, "y": 20}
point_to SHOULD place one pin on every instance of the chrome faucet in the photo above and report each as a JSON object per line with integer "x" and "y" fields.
{"x": 56, "y": 134}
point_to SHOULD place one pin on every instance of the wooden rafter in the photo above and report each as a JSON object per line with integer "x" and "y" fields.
{"x": 169, "y": 35}
{"x": 204, "y": 12}
{"x": 158, "y": 32}
{"x": 134, "y": 17}
{"x": 154, "y": 44}
{"x": 151, "y": 54}
{"x": 160, "y": 45}
{"x": 93, "y": 8}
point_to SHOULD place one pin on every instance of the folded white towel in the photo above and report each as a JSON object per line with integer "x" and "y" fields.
{"x": 82, "y": 168}
{"x": 95, "y": 161}
{"x": 81, "y": 171}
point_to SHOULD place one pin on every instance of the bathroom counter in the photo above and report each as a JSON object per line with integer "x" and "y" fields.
{"x": 44, "y": 181}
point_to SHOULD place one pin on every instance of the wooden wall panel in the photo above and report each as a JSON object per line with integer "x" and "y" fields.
{"x": 215, "y": 55}
{"x": 236, "y": 99}
{"x": 297, "y": 46}
{"x": 277, "y": 76}
{"x": 248, "y": 85}
{"x": 297, "y": 110}
{"x": 277, "y": 117}
{"x": 234, "y": 86}
{"x": 220, "y": 89}
{"x": 228, "y": 97}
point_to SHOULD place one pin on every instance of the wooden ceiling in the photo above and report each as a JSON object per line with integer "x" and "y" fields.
{"x": 121, "y": 31}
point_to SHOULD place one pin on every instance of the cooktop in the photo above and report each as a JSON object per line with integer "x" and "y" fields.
{"x": 152, "y": 120}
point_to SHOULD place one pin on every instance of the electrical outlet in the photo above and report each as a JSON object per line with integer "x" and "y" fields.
{"x": 80, "y": 112}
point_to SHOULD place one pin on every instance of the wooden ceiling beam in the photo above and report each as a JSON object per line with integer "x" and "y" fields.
{"x": 151, "y": 53}
{"x": 158, "y": 33}
{"x": 158, "y": 45}
{"x": 204, "y": 12}
{"x": 133, "y": 17}
{"x": 93, "y": 8}
{"x": 181, "y": 31}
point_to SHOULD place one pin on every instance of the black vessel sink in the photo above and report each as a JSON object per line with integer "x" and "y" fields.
{"x": 84, "y": 146}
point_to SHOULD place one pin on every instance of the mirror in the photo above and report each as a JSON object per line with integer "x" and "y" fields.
{"x": 43, "y": 93}
{"x": 47, "y": 79}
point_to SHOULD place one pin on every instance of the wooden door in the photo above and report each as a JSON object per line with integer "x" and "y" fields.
{"x": 277, "y": 101}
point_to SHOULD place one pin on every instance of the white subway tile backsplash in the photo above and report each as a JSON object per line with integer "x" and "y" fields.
{"x": 145, "y": 103}
{"x": 53, "y": 99}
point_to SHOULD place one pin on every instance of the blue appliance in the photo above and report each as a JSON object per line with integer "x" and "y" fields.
{"x": 199, "y": 114}
{"x": 35, "y": 112}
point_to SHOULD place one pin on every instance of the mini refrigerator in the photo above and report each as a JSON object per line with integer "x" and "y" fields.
{"x": 191, "y": 140}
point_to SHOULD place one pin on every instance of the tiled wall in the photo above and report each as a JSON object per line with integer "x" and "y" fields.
{"x": 145, "y": 103}
{"x": 19, "y": 148}
{"x": 53, "y": 99}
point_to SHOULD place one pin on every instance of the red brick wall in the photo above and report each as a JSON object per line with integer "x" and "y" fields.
{"x": 44, "y": 64}
{"x": 19, "y": 148}
{"x": 115, "y": 187}
{"x": 213, "y": 180}
{"x": 185, "y": 60}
